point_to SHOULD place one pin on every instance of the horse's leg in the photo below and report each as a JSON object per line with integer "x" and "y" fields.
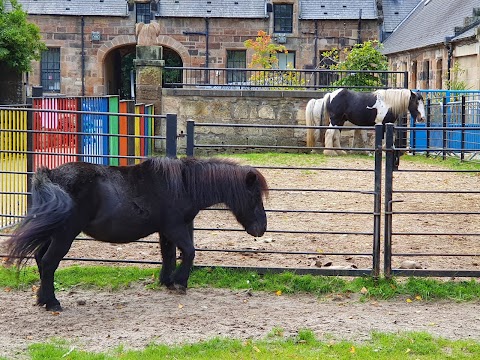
{"x": 169, "y": 253}
{"x": 61, "y": 242}
{"x": 38, "y": 257}
{"x": 329, "y": 139}
{"x": 336, "y": 143}
{"x": 182, "y": 238}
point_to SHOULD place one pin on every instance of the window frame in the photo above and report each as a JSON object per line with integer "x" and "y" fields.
{"x": 50, "y": 66}
{"x": 283, "y": 18}
{"x": 232, "y": 75}
{"x": 145, "y": 13}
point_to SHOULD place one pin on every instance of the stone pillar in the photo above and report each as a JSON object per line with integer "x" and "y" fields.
{"x": 149, "y": 65}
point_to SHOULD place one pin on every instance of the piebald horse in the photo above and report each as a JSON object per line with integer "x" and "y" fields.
{"x": 361, "y": 109}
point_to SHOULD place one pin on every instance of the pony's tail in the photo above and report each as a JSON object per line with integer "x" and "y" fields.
{"x": 51, "y": 207}
{"x": 309, "y": 121}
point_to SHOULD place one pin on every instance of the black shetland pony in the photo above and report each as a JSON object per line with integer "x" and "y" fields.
{"x": 359, "y": 108}
{"x": 123, "y": 204}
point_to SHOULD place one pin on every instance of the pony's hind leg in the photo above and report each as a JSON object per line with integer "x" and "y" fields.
{"x": 61, "y": 242}
{"x": 38, "y": 257}
{"x": 169, "y": 253}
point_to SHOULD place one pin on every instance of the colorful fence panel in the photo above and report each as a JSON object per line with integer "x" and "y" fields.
{"x": 13, "y": 165}
{"x": 55, "y": 131}
{"x": 55, "y": 141}
{"x": 95, "y": 147}
{"x": 445, "y": 110}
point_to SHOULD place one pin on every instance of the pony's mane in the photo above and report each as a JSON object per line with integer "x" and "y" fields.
{"x": 207, "y": 179}
{"x": 396, "y": 99}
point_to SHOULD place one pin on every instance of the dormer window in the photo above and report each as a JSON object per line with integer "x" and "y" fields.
{"x": 282, "y": 18}
{"x": 143, "y": 12}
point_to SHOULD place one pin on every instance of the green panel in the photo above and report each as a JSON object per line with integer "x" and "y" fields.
{"x": 113, "y": 107}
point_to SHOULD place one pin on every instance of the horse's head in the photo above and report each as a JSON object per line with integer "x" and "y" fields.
{"x": 416, "y": 106}
{"x": 249, "y": 211}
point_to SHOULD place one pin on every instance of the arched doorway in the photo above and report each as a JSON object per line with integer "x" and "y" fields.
{"x": 172, "y": 58}
{"x": 118, "y": 71}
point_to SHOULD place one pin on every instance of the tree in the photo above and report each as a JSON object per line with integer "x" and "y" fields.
{"x": 365, "y": 56}
{"x": 264, "y": 57}
{"x": 20, "y": 41}
{"x": 264, "y": 51}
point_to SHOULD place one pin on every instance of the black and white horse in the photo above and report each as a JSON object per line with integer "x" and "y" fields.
{"x": 361, "y": 109}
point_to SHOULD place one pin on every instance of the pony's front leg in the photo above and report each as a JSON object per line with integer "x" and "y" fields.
{"x": 169, "y": 253}
{"x": 182, "y": 238}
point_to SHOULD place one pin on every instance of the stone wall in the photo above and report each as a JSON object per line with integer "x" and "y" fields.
{"x": 240, "y": 107}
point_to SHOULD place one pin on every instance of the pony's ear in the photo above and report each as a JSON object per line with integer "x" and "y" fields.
{"x": 251, "y": 178}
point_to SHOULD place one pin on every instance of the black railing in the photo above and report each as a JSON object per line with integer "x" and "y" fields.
{"x": 276, "y": 79}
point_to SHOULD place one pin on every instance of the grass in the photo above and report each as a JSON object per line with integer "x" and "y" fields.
{"x": 302, "y": 346}
{"x": 284, "y": 159}
{"x": 114, "y": 278}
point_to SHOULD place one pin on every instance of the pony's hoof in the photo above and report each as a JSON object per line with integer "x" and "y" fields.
{"x": 330, "y": 152}
{"x": 54, "y": 308}
{"x": 341, "y": 152}
{"x": 177, "y": 289}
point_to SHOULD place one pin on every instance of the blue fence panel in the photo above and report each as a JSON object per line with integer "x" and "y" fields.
{"x": 453, "y": 113}
{"x": 95, "y": 124}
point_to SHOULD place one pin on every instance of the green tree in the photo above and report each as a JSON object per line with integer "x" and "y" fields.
{"x": 365, "y": 56}
{"x": 20, "y": 41}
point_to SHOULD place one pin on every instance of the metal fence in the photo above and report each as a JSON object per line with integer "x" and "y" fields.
{"x": 354, "y": 237}
{"x": 277, "y": 79}
{"x": 54, "y": 131}
{"x": 452, "y": 117}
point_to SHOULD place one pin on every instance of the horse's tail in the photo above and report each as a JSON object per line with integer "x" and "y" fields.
{"x": 310, "y": 121}
{"x": 51, "y": 207}
{"x": 323, "y": 117}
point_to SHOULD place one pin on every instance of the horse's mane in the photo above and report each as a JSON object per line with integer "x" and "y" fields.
{"x": 396, "y": 99}
{"x": 207, "y": 179}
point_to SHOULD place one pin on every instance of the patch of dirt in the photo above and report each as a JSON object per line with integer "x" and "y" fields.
{"x": 136, "y": 317}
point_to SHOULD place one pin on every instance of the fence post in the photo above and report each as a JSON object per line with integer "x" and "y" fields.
{"x": 444, "y": 130}
{"x": 429, "y": 114}
{"x": 377, "y": 199}
{"x": 462, "y": 138}
{"x": 30, "y": 155}
{"x": 190, "y": 137}
{"x": 171, "y": 134}
{"x": 389, "y": 166}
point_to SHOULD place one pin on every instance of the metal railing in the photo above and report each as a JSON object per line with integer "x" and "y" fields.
{"x": 277, "y": 79}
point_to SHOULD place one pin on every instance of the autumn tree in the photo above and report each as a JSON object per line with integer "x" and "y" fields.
{"x": 264, "y": 51}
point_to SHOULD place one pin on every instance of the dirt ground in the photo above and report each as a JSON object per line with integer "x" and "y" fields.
{"x": 136, "y": 317}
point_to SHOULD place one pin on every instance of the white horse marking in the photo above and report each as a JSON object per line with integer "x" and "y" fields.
{"x": 421, "y": 110}
{"x": 381, "y": 108}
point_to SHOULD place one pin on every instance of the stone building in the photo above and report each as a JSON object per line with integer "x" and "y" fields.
{"x": 89, "y": 41}
{"x": 435, "y": 38}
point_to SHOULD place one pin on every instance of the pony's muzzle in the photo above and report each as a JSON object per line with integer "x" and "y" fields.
{"x": 257, "y": 230}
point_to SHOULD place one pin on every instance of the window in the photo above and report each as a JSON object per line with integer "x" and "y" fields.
{"x": 282, "y": 18}
{"x": 236, "y": 59}
{"x": 143, "y": 12}
{"x": 50, "y": 70}
{"x": 286, "y": 61}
